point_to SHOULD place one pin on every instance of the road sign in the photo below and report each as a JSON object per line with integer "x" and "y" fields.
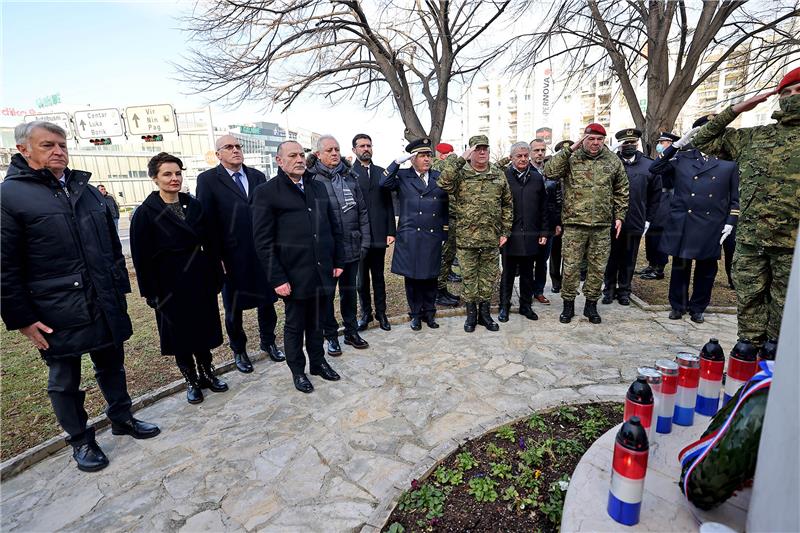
{"x": 92, "y": 123}
{"x": 59, "y": 119}
{"x": 147, "y": 119}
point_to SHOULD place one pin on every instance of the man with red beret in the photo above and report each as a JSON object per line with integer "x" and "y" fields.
{"x": 443, "y": 296}
{"x": 769, "y": 187}
{"x": 595, "y": 189}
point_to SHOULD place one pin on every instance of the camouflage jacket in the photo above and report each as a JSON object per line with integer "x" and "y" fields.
{"x": 595, "y": 188}
{"x": 481, "y": 200}
{"x": 769, "y": 183}
{"x": 439, "y": 164}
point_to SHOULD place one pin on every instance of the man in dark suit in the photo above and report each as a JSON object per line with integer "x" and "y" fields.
{"x": 382, "y": 230}
{"x": 225, "y": 192}
{"x": 298, "y": 240}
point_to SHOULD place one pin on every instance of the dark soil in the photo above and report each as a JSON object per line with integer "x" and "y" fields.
{"x": 511, "y": 479}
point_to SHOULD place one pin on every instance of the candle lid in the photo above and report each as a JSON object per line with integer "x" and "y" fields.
{"x": 689, "y": 360}
{"x": 667, "y": 367}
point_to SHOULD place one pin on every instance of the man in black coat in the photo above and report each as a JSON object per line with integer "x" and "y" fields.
{"x": 225, "y": 192}
{"x": 643, "y": 202}
{"x": 64, "y": 282}
{"x": 298, "y": 240}
{"x": 552, "y": 221}
{"x": 656, "y": 259}
{"x": 527, "y": 232}
{"x": 341, "y": 182}
{"x": 382, "y": 230}
{"x": 703, "y": 212}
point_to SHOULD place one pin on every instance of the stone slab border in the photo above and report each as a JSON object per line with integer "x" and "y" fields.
{"x": 380, "y": 516}
{"x": 644, "y": 306}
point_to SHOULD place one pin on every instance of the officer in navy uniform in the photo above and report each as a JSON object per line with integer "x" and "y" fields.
{"x": 703, "y": 211}
{"x": 645, "y": 193}
{"x": 656, "y": 259}
{"x": 422, "y": 228}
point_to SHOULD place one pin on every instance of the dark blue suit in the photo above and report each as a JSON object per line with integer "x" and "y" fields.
{"x": 705, "y": 197}
{"x": 423, "y": 213}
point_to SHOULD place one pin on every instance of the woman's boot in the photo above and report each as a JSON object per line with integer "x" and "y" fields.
{"x": 207, "y": 378}
{"x": 193, "y": 392}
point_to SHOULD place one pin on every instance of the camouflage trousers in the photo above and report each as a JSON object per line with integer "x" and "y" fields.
{"x": 761, "y": 278}
{"x": 479, "y": 268}
{"x": 589, "y": 245}
{"x": 448, "y": 254}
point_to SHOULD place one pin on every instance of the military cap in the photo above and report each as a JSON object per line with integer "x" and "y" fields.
{"x": 667, "y": 136}
{"x": 563, "y": 144}
{"x": 702, "y": 120}
{"x": 478, "y": 140}
{"x": 630, "y": 134}
{"x": 419, "y": 145}
{"x": 790, "y": 79}
{"x": 595, "y": 129}
{"x": 444, "y": 148}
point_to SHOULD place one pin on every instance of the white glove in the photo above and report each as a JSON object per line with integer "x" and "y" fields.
{"x": 725, "y": 232}
{"x": 687, "y": 137}
{"x": 403, "y": 158}
{"x": 646, "y": 227}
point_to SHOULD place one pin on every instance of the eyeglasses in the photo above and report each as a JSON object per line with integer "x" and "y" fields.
{"x": 231, "y": 147}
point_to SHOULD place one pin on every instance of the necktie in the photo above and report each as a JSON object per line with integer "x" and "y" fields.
{"x": 424, "y": 178}
{"x": 300, "y": 186}
{"x": 237, "y": 177}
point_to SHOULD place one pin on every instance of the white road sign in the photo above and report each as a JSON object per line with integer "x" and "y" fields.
{"x": 93, "y": 123}
{"x": 59, "y": 119}
{"x": 149, "y": 119}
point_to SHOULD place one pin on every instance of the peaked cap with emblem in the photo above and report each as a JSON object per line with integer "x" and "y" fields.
{"x": 563, "y": 144}
{"x": 630, "y": 134}
{"x": 667, "y": 136}
{"x": 419, "y": 145}
{"x": 702, "y": 120}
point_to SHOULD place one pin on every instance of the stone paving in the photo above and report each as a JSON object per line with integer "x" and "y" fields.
{"x": 263, "y": 456}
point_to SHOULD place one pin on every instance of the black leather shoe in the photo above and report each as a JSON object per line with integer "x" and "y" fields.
{"x": 528, "y": 313}
{"x": 90, "y": 457}
{"x": 243, "y": 363}
{"x": 590, "y": 311}
{"x": 302, "y": 383}
{"x": 568, "y": 312}
{"x": 274, "y": 353}
{"x": 674, "y": 314}
{"x": 624, "y": 300}
{"x": 485, "y": 317}
{"x": 472, "y": 317}
{"x": 644, "y": 270}
{"x": 356, "y": 341}
{"x": 556, "y": 289}
{"x": 502, "y": 315}
{"x": 653, "y": 274}
{"x": 383, "y": 322}
{"x": 363, "y": 322}
{"x": 416, "y": 323}
{"x": 135, "y": 428}
{"x": 607, "y": 299}
{"x": 445, "y": 298}
{"x": 325, "y": 371}
{"x": 454, "y": 278}
{"x": 697, "y": 317}
{"x": 431, "y": 322}
{"x": 334, "y": 349}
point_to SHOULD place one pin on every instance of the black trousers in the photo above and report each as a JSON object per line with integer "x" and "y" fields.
{"x": 267, "y": 320}
{"x": 655, "y": 258}
{"x": 303, "y": 318}
{"x": 63, "y": 387}
{"x": 555, "y": 260}
{"x": 540, "y": 267}
{"x": 729, "y": 247}
{"x": 510, "y": 265}
{"x": 621, "y": 264}
{"x": 187, "y": 359}
{"x": 421, "y": 296}
{"x": 348, "y": 302}
{"x": 705, "y": 270}
{"x": 372, "y": 266}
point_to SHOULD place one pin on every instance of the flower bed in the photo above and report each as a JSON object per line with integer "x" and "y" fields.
{"x": 512, "y": 479}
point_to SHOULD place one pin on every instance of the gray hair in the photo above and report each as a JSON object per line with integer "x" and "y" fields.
{"x": 538, "y": 140}
{"x": 323, "y": 138}
{"x": 519, "y": 146}
{"x": 22, "y": 133}
{"x": 284, "y": 143}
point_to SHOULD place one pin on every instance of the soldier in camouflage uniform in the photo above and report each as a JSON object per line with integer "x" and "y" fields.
{"x": 444, "y": 297}
{"x": 769, "y": 190}
{"x": 595, "y": 189}
{"x": 481, "y": 198}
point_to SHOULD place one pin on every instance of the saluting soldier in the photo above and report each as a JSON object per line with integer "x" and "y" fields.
{"x": 703, "y": 211}
{"x": 444, "y": 296}
{"x": 421, "y": 230}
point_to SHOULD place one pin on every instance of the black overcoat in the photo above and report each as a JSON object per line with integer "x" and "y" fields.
{"x": 379, "y": 204}
{"x": 62, "y": 261}
{"x": 230, "y": 222}
{"x": 645, "y": 193}
{"x": 530, "y": 211}
{"x": 423, "y": 220}
{"x": 705, "y": 197}
{"x": 297, "y": 235}
{"x": 173, "y": 264}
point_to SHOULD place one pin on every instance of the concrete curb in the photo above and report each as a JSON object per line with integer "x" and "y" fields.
{"x": 644, "y": 306}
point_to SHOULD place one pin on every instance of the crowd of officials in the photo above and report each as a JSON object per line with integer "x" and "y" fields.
{"x": 323, "y": 223}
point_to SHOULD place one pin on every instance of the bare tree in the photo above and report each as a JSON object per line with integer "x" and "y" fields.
{"x": 673, "y": 47}
{"x": 280, "y": 50}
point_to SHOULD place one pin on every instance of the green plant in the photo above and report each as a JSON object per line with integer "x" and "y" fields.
{"x": 506, "y": 433}
{"x": 566, "y": 413}
{"x": 534, "y": 456}
{"x": 554, "y": 505}
{"x": 510, "y": 493}
{"x": 618, "y": 409}
{"x": 446, "y": 476}
{"x": 426, "y": 498}
{"x": 501, "y": 470}
{"x": 590, "y": 429}
{"x": 483, "y": 489}
{"x": 396, "y": 527}
{"x": 465, "y": 461}
{"x": 537, "y": 422}
{"x": 596, "y": 414}
{"x": 569, "y": 447}
{"x": 494, "y": 451}
{"x": 528, "y": 478}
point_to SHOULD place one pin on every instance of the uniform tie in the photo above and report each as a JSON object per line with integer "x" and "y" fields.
{"x": 300, "y": 186}
{"x": 237, "y": 177}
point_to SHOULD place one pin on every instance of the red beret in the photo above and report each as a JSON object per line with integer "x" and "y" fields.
{"x": 790, "y": 79}
{"x": 596, "y": 129}
{"x": 444, "y": 148}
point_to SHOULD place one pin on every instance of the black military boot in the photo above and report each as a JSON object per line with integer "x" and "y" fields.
{"x": 485, "y": 317}
{"x": 446, "y": 298}
{"x": 502, "y": 314}
{"x": 206, "y": 377}
{"x": 472, "y": 317}
{"x": 194, "y": 394}
{"x": 528, "y": 312}
{"x": 568, "y": 312}
{"x": 590, "y": 311}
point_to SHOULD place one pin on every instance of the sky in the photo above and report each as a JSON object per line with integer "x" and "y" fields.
{"x": 119, "y": 54}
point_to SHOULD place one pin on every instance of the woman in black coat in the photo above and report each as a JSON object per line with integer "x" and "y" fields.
{"x": 178, "y": 275}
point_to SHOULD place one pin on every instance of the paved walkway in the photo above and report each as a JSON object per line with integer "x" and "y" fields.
{"x": 265, "y": 457}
